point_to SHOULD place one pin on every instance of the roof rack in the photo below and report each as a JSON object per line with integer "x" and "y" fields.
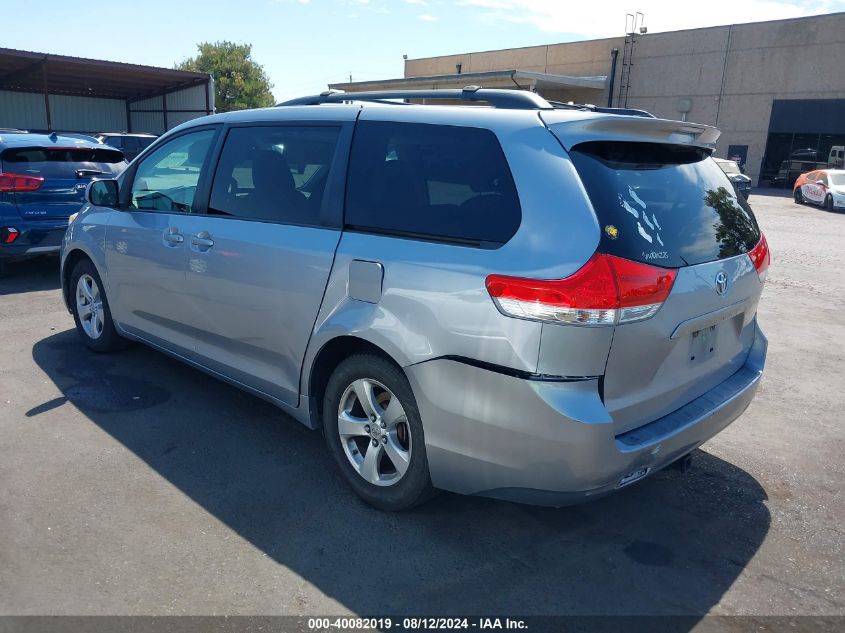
{"x": 507, "y": 99}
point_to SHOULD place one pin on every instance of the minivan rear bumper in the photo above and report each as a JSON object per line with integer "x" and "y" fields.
{"x": 553, "y": 442}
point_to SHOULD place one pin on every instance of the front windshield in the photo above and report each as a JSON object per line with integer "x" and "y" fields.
{"x": 837, "y": 179}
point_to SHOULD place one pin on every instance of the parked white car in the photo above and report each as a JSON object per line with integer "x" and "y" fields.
{"x": 825, "y": 187}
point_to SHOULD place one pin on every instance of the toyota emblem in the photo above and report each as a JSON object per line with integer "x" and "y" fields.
{"x": 721, "y": 282}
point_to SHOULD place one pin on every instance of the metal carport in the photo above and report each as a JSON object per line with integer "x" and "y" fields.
{"x": 42, "y": 91}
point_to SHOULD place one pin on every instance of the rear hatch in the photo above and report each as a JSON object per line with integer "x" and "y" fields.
{"x": 49, "y": 182}
{"x": 669, "y": 205}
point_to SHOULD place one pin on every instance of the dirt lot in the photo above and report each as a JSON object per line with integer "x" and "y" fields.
{"x": 131, "y": 484}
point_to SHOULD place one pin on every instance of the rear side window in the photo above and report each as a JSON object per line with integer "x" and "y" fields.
{"x": 666, "y": 204}
{"x": 432, "y": 182}
{"x": 55, "y": 162}
{"x": 277, "y": 174}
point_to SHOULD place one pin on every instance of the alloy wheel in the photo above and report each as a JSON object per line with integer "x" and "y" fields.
{"x": 89, "y": 306}
{"x": 374, "y": 432}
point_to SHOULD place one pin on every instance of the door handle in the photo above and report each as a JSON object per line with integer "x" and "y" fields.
{"x": 173, "y": 236}
{"x": 202, "y": 240}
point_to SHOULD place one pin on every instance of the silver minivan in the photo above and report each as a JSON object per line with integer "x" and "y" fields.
{"x": 532, "y": 301}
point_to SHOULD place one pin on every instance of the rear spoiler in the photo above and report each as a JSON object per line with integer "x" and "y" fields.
{"x": 572, "y": 130}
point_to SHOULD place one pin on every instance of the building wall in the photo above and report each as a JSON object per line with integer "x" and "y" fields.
{"x": 22, "y": 110}
{"x": 182, "y": 105}
{"x": 25, "y": 110}
{"x": 729, "y": 75}
{"x": 578, "y": 59}
{"x": 87, "y": 114}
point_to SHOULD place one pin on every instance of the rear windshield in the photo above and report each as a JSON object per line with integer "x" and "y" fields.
{"x": 669, "y": 205}
{"x": 730, "y": 167}
{"x": 55, "y": 162}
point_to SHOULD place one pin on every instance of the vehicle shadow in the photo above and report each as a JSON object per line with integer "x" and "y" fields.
{"x": 30, "y": 275}
{"x": 672, "y": 544}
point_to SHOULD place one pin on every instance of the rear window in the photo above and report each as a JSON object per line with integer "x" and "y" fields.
{"x": 669, "y": 205}
{"x": 730, "y": 167}
{"x": 54, "y": 162}
{"x": 432, "y": 182}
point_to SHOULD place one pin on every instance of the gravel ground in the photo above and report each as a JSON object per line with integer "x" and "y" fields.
{"x": 131, "y": 484}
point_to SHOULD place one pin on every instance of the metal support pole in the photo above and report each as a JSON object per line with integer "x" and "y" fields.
{"x": 46, "y": 96}
{"x": 614, "y": 54}
{"x": 164, "y": 108}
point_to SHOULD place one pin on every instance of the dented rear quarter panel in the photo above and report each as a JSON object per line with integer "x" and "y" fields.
{"x": 434, "y": 302}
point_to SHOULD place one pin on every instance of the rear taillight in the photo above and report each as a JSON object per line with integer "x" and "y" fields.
{"x": 604, "y": 291}
{"x": 761, "y": 257}
{"x": 8, "y": 234}
{"x": 13, "y": 183}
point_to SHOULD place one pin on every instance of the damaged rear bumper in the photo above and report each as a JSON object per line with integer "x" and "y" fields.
{"x": 553, "y": 443}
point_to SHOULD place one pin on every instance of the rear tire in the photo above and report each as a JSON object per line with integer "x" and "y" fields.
{"x": 798, "y": 196}
{"x": 376, "y": 438}
{"x": 91, "y": 311}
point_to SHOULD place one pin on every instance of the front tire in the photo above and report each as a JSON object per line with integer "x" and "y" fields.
{"x": 828, "y": 203}
{"x": 798, "y": 196}
{"x": 91, "y": 311}
{"x": 374, "y": 432}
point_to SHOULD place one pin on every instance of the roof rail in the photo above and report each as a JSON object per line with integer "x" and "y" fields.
{"x": 507, "y": 99}
{"x": 589, "y": 107}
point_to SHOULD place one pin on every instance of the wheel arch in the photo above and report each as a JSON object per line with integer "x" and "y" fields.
{"x": 331, "y": 354}
{"x": 71, "y": 259}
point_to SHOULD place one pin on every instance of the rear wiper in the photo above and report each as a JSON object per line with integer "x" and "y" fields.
{"x": 82, "y": 173}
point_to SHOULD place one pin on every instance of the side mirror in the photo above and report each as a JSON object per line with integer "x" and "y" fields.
{"x": 103, "y": 193}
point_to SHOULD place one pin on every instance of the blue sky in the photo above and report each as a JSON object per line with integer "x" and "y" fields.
{"x": 306, "y": 44}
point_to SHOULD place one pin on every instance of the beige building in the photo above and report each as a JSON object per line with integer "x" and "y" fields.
{"x": 771, "y": 87}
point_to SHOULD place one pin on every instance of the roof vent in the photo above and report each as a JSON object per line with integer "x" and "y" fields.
{"x": 471, "y": 88}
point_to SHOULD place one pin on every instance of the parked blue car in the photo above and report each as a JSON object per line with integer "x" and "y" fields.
{"x": 42, "y": 183}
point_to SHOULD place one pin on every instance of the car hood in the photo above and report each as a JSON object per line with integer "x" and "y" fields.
{"x": 840, "y": 189}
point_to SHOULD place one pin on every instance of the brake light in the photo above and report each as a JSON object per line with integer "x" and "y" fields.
{"x": 11, "y": 183}
{"x": 604, "y": 291}
{"x": 761, "y": 257}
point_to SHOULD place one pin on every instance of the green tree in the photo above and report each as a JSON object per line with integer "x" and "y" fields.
{"x": 735, "y": 229}
{"x": 239, "y": 81}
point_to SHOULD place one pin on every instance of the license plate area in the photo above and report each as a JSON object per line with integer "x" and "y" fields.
{"x": 703, "y": 344}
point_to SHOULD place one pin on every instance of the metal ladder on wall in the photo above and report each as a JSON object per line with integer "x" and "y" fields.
{"x": 632, "y": 23}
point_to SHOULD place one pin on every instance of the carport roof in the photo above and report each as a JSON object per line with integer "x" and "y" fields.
{"x": 488, "y": 79}
{"x": 28, "y": 71}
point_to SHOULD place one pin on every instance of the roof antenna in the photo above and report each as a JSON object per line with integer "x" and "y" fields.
{"x": 54, "y": 137}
